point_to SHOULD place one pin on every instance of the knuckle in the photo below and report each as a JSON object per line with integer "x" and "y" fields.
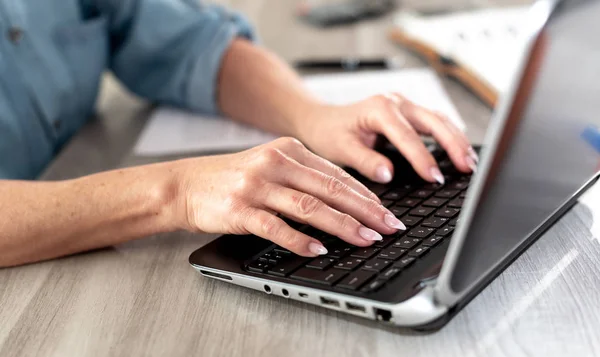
{"x": 334, "y": 187}
{"x": 346, "y": 222}
{"x": 271, "y": 156}
{"x": 342, "y": 173}
{"x": 269, "y": 226}
{"x": 308, "y": 205}
{"x": 246, "y": 184}
{"x": 384, "y": 100}
{"x": 289, "y": 142}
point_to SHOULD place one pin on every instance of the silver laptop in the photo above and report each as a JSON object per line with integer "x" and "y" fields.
{"x": 541, "y": 152}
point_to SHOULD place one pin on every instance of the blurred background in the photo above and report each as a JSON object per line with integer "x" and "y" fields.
{"x": 314, "y": 30}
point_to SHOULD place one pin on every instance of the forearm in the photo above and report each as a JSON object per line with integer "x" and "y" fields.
{"x": 44, "y": 220}
{"x": 257, "y": 88}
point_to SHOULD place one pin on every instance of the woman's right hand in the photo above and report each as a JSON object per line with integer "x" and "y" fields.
{"x": 243, "y": 193}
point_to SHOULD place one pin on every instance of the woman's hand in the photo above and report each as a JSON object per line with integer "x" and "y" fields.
{"x": 243, "y": 193}
{"x": 347, "y": 134}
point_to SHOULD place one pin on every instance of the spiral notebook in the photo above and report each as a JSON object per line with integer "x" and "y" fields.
{"x": 479, "y": 48}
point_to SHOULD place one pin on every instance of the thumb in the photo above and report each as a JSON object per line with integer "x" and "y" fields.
{"x": 367, "y": 161}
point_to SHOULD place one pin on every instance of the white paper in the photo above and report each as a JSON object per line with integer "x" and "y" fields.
{"x": 171, "y": 131}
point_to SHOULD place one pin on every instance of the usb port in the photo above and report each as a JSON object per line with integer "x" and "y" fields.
{"x": 355, "y": 308}
{"x": 329, "y": 302}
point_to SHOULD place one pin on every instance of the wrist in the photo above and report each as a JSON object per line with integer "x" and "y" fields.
{"x": 305, "y": 121}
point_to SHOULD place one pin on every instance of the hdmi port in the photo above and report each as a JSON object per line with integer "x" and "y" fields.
{"x": 329, "y": 302}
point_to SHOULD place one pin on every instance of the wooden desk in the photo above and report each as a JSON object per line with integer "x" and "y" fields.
{"x": 143, "y": 299}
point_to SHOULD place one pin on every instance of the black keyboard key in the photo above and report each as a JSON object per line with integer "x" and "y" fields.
{"x": 446, "y": 165}
{"x": 456, "y": 203}
{"x": 373, "y": 286}
{"x": 257, "y": 266}
{"x": 409, "y": 202}
{"x": 418, "y": 251}
{"x": 422, "y": 194}
{"x": 406, "y": 243}
{"x": 355, "y": 280}
{"x": 406, "y": 187}
{"x": 387, "y": 203}
{"x": 392, "y": 253}
{"x": 378, "y": 189}
{"x": 435, "y": 202}
{"x": 432, "y": 186}
{"x": 459, "y": 185}
{"x": 387, "y": 240}
{"x": 434, "y": 222}
{"x": 339, "y": 250}
{"x": 349, "y": 263}
{"x": 421, "y": 211}
{"x": 421, "y": 232}
{"x": 365, "y": 253}
{"x": 432, "y": 241}
{"x": 394, "y": 195}
{"x": 287, "y": 266}
{"x": 444, "y": 231}
{"x": 321, "y": 263}
{"x": 324, "y": 277}
{"x": 376, "y": 265}
{"x": 447, "y": 212}
{"x": 390, "y": 273}
{"x": 446, "y": 193}
{"x": 454, "y": 222}
{"x": 398, "y": 211}
{"x": 411, "y": 221}
{"x": 404, "y": 262}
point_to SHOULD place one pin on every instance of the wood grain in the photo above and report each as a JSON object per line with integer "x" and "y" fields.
{"x": 143, "y": 298}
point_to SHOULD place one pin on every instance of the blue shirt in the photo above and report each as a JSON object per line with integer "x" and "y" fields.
{"x": 53, "y": 53}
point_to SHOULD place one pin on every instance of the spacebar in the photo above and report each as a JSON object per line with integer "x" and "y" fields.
{"x": 329, "y": 277}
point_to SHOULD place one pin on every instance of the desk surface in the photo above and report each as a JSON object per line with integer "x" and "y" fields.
{"x": 142, "y": 298}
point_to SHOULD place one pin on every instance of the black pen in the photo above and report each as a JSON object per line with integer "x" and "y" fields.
{"x": 349, "y": 64}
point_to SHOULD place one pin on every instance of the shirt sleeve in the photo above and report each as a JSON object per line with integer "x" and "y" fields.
{"x": 170, "y": 51}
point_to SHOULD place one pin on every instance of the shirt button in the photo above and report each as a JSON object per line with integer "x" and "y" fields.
{"x": 15, "y": 34}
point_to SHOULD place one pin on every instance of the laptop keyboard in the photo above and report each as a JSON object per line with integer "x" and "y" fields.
{"x": 430, "y": 213}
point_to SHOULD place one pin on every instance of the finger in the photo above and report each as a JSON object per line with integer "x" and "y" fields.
{"x": 273, "y": 228}
{"x": 470, "y": 150}
{"x": 341, "y": 197}
{"x": 403, "y": 136}
{"x": 309, "y": 159}
{"x": 368, "y": 162}
{"x": 306, "y": 208}
{"x": 456, "y": 145}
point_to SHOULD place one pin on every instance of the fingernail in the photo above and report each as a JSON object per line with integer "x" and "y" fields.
{"x": 369, "y": 234}
{"x": 317, "y": 249}
{"x": 437, "y": 175}
{"x": 393, "y": 222}
{"x": 383, "y": 174}
{"x": 473, "y": 154}
{"x": 471, "y": 163}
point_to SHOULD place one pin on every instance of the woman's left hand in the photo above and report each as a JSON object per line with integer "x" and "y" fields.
{"x": 346, "y": 135}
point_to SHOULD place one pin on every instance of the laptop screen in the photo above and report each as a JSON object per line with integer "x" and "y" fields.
{"x": 549, "y": 146}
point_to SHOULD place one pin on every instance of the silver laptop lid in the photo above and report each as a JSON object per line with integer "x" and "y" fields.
{"x": 542, "y": 147}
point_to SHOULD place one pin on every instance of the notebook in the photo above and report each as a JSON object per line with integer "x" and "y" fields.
{"x": 479, "y": 48}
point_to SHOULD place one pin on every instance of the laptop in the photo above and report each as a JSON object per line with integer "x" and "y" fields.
{"x": 541, "y": 152}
